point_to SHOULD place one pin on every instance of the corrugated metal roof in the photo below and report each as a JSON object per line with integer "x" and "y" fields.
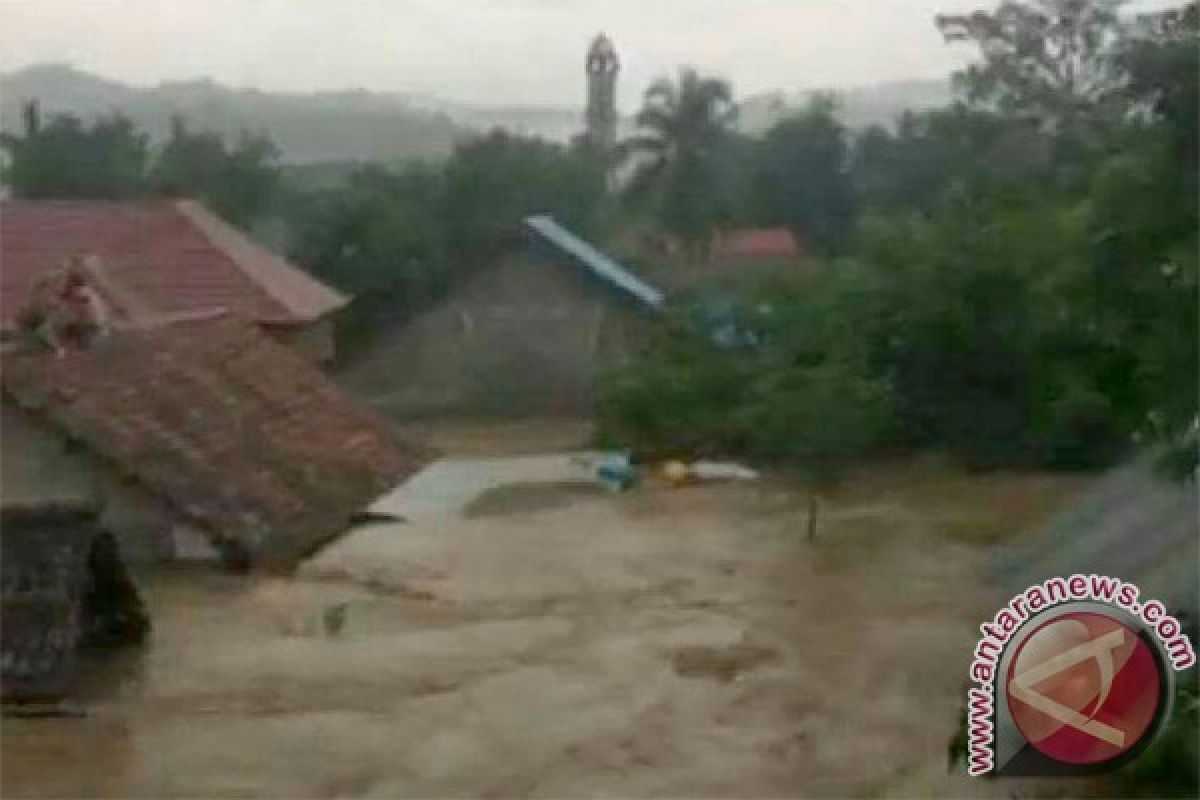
{"x": 601, "y": 265}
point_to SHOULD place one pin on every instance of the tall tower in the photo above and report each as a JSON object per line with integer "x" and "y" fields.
{"x": 601, "y": 114}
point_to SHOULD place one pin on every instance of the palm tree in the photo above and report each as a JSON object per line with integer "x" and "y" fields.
{"x": 677, "y": 151}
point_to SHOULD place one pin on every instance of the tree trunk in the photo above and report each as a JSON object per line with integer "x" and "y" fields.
{"x": 812, "y": 516}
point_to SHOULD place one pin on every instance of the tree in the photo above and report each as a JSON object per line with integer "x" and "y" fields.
{"x": 802, "y": 396}
{"x": 381, "y": 233}
{"x": 818, "y": 420}
{"x": 65, "y": 158}
{"x": 1162, "y": 59}
{"x": 1051, "y": 60}
{"x": 1142, "y": 205}
{"x": 802, "y": 176}
{"x": 237, "y": 182}
{"x": 677, "y": 155}
{"x": 958, "y": 148}
{"x": 495, "y": 180}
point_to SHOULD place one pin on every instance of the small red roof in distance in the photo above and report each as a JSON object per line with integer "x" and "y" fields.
{"x": 229, "y": 428}
{"x": 757, "y": 243}
{"x": 171, "y": 255}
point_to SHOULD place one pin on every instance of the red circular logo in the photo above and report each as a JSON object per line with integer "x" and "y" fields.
{"x": 1084, "y": 688}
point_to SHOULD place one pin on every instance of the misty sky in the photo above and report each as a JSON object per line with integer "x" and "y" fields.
{"x": 495, "y": 52}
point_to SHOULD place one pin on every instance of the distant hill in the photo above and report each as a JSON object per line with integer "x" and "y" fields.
{"x": 859, "y": 107}
{"x": 357, "y": 125}
{"x": 307, "y": 127}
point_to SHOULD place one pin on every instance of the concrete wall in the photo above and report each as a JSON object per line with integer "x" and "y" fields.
{"x": 525, "y": 336}
{"x": 38, "y": 466}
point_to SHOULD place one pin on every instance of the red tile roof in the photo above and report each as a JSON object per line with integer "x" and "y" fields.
{"x": 757, "y": 243}
{"x": 233, "y": 431}
{"x": 172, "y": 255}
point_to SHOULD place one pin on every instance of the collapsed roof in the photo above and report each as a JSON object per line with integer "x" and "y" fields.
{"x": 234, "y": 432}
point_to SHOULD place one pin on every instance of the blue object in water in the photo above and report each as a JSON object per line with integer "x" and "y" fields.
{"x": 616, "y": 472}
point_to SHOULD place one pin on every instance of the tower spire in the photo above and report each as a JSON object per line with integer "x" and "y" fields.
{"x": 601, "y": 114}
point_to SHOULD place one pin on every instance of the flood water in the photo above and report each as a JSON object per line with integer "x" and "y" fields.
{"x": 656, "y": 643}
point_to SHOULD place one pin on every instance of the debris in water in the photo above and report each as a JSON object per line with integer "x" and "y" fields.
{"x": 677, "y": 473}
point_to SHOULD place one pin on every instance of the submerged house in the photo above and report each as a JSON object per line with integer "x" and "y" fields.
{"x": 527, "y": 334}
{"x": 199, "y": 436}
{"x": 199, "y": 427}
{"x": 164, "y": 257}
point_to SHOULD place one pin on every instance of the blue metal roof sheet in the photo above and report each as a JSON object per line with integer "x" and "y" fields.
{"x": 595, "y": 261}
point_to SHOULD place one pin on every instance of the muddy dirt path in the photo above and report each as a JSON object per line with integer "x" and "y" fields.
{"x": 656, "y": 643}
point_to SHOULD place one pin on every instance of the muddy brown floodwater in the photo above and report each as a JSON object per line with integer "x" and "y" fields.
{"x": 655, "y": 643}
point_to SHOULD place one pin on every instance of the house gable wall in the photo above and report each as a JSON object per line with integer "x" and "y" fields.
{"x": 39, "y": 466}
{"x": 525, "y": 336}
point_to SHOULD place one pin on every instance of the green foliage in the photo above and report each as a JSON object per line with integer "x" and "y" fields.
{"x": 954, "y": 147}
{"x": 1053, "y": 61}
{"x": 111, "y": 159}
{"x": 492, "y": 182}
{"x": 679, "y": 397}
{"x": 680, "y": 156}
{"x": 420, "y": 228}
{"x": 399, "y": 240}
{"x": 815, "y": 417}
{"x": 801, "y": 176}
{"x": 237, "y": 182}
{"x": 1162, "y": 61}
{"x": 380, "y": 232}
{"x": 1020, "y": 284}
{"x": 65, "y": 158}
{"x": 799, "y": 397}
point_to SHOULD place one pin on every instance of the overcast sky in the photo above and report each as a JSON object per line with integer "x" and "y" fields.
{"x": 498, "y": 52}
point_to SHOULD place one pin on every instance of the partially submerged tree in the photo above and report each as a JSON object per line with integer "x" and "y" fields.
{"x": 678, "y": 155}
{"x": 817, "y": 419}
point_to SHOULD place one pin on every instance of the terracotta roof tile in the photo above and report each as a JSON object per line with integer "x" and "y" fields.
{"x": 231, "y": 429}
{"x": 173, "y": 256}
{"x": 757, "y": 243}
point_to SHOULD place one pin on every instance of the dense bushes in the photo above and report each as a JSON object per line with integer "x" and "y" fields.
{"x": 1018, "y": 288}
{"x": 785, "y": 387}
{"x": 981, "y": 327}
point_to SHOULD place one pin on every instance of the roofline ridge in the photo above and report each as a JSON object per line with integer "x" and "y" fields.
{"x": 221, "y": 235}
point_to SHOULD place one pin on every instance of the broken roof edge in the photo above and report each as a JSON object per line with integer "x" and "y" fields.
{"x": 305, "y": 297}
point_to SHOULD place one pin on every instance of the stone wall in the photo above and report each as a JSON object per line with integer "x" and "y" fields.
{"x": 63, "y": 586}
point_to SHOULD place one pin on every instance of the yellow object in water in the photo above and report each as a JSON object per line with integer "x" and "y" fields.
{"x": 676, "y": 473}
